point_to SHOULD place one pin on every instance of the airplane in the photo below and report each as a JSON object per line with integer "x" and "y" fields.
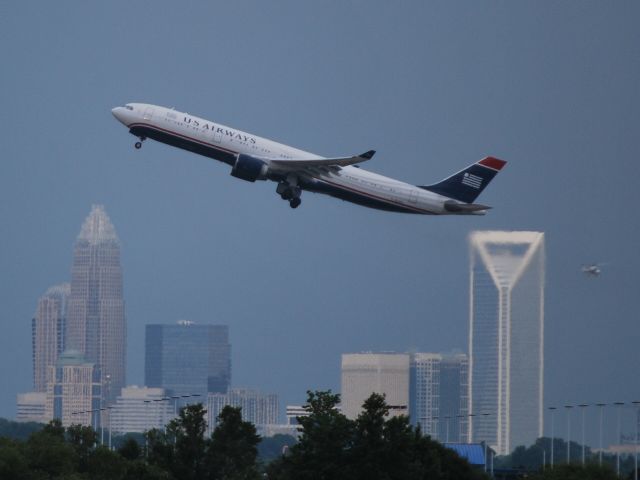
{"x": 593, "y": 269}
{"x": 254, "y": 158}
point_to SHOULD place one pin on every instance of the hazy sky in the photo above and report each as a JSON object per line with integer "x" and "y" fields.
{"x": 551, "y": 87}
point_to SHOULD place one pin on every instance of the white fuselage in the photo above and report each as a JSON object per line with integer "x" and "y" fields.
{"x": 223, "y": 143}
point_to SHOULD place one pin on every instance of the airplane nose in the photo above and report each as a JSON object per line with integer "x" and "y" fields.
{"x": 118, "y": 112}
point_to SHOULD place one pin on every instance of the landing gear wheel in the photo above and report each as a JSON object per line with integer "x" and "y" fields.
{"x": 295, "y": 202}
{"x": 287, "y": 194}
{"x": 138, "y": 145}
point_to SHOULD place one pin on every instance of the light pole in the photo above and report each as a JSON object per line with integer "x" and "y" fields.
{"x": 568, "y": 407}
{"x": 447, "y": 417}
{"x": 553, "y": 411}
{"x": 619, "y": 406}
{"x": 582, "y": 407}
{"x": 601, "y": 407}
{"x": 636, "y": 403}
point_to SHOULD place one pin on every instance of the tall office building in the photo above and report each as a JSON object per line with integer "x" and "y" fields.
{"x": 256, "y": 407}
{"x": 188, "y": 359}
{"x": 47, "y": 332}
{"x": 506, "y": 337}
{"x": 95, "y": 317}
{"x": 73, "y": 390}
{"x": 439, "y": 395}
{"x": 382, "y": 373}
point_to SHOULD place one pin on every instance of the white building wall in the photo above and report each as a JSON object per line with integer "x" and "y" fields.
{"x": 382, "y": 373}
{"x": 140, "y": 409}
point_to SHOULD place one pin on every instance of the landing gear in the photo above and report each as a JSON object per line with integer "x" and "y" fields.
{"x": 138, "y": 145}
{"x": 289, "y": 190}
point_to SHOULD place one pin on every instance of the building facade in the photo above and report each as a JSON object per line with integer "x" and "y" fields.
{"x": 256, "y": 407}
{"x": 506, "y": 337}
{"x": 140, "y": 409}
{"x": 32, "y": 407}
{"x": 95, "y": 317}
{"x": 439, "y": 395}
{"x": 188, "y": 359}
{"x": 383, "y": 373}
{"x": 74, "y": 390}
{"x": 47, "y": 332}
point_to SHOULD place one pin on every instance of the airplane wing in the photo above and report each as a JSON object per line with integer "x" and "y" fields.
{"x": 321, "y": 162}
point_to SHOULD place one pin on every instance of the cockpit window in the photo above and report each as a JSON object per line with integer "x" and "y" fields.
{"x": 128, "y": 107}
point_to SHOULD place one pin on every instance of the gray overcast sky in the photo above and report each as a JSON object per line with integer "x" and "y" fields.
{"x": 552, "y": 87}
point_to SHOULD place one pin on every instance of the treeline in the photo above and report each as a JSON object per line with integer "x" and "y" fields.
{"x": 535, "y": 460}
{"x": 330, "y": 447}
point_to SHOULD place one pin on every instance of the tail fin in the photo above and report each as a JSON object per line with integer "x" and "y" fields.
{"x": 467, "y": 184}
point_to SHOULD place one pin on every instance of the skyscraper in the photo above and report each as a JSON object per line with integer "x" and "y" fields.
{"x": 438, "y": 392}
{"x": 47, "y": 332}
{"x": 95, "y": 318}
{"x": 383, "y": 373}
{"x": 73, "y": 390}
{"x": 506, "y": 337}
{"x": 188, "y": 359}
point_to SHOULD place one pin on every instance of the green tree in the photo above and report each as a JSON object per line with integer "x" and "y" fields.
{"x": 577, "y": 472}
{"x": 160, "y": 448}
{"x": 13, "y": 463}
{"x": 321, "y": 452}
{"x": 48, "y": 454}
{"x": 130, "y": 449}
{"x": 271, "y": 448}
{"x": 232, "y": 450}
{"x": 190, "y": 446}
{"x": 83, "y": 439}
{"x": 103, "y": 464}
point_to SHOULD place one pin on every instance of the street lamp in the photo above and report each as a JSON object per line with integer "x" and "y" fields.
{"x": 636, "y": 403}
{"x": 601, "y": 406}
{"x": 553, "y": 411}
{"x": 619, "y": 406}
{"x": 582, "y": 407}
{"x": 568, "y": 407}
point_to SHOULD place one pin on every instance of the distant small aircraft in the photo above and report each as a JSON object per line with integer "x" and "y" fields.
{"x": 254, "y": 158}
{"x": 592, "y": 270}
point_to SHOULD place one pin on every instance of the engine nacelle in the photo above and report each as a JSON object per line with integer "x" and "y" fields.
{"x": 249, "y": 168}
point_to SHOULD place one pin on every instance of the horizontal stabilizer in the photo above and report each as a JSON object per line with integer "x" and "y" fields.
{"x": 322, "y": 162}
{"x": 455, "y": 207}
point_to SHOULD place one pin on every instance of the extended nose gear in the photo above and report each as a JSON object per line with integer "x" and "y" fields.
{"x": 138, "y": 145}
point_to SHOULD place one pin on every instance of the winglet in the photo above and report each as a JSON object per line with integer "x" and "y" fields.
{"x": 368, "y": 154}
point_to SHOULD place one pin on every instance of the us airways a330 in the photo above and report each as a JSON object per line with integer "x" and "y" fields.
{"x": 254, "y": 158}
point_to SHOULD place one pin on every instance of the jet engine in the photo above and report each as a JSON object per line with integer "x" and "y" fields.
{"x": 249, "y": 168}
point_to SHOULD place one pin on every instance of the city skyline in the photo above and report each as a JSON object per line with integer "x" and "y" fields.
{"x": 431, "y": 86}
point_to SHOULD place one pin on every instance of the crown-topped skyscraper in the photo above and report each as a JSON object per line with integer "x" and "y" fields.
{"x": 95, "y": 317}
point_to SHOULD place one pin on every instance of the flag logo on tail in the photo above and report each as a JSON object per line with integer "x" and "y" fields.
{"x": 472, "y": 180}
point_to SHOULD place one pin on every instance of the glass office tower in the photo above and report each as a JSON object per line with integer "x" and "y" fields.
{"x": 506, "y": 337}
{"x": 188, "y": 359}
{"x": 438, "y": 395}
